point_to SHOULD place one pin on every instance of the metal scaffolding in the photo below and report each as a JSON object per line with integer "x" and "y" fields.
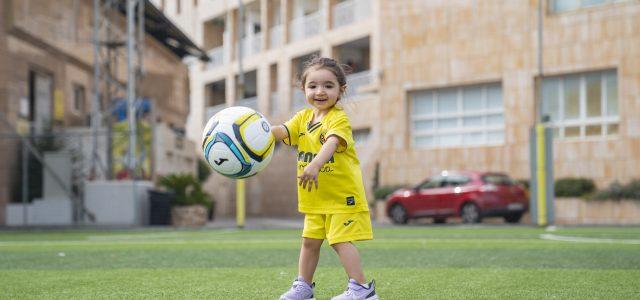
{"x": 110, "y": 45}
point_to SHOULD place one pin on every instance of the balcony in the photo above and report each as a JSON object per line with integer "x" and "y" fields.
{"x": 274, "y": 100}
{"x": 275, "y": 36}
{"x": 298, "y": 100}
{"x": 351, "y": 11}
{"x": 217, "y": 57}
{"x": 212, "y": 110}
{"x": 356, "y": 81}
{"x": 251, "y": 45}
{"x": 251, "y": 102}
{"x": 307, "y": 26}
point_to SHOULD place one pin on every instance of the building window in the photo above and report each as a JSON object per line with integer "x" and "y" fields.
{"x": 581, "y": 105}
{"x": 79, "y": 98}
{"x": 178, "y": 8}
{"x": 460, "y": 116}
{"x": 361, "y": 136}
{"x": 559, "y": 6}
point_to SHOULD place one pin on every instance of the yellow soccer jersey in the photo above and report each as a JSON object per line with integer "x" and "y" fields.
{"x": 340, "y": 188}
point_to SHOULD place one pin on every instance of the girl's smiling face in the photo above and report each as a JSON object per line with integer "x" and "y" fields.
{"x": 322, "y": 89}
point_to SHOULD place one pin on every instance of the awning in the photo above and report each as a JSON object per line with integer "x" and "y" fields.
{"x": 168, "y": 34}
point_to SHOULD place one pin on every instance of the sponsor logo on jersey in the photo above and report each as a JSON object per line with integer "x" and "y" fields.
{"x": 351, "y": 200}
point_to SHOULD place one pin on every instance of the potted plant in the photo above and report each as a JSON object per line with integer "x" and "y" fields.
{"x": 204, "y": 171}
{"x": 190, "y": 203}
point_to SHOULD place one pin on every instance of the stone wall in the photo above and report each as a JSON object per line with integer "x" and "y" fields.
{"x": 575, "y": 211}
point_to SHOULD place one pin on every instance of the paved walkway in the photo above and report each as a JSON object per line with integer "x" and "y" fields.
{"x": 253, "y": 223}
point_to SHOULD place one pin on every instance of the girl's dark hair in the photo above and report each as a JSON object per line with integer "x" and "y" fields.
{"x": 330, "y": 64}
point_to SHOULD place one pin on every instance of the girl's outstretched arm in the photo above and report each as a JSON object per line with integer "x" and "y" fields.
{"x": 310, "y": 174}
{"x": 279, "y": 132}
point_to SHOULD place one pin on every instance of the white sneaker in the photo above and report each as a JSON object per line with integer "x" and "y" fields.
{"x": 356, "y": 291}
{"x": 300, "y": 290}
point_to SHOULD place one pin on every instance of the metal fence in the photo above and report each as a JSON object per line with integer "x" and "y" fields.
{"x": 44, "y": 174}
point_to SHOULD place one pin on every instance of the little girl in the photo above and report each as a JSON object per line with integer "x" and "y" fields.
{"x": 330, "y": 189}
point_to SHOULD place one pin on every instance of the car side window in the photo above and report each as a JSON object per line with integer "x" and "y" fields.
{"x": 497, "y": 179}
{"x": 432, "y": 183}
{"x": 457, "y": 180}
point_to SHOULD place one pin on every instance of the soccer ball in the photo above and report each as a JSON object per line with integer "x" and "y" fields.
{"x": 237, "y": 142}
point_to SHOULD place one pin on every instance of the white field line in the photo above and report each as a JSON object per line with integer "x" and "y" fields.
{"x": 151, "y": 236}
{"x": 576, "y": 239}
{"x": 143, "y": 242}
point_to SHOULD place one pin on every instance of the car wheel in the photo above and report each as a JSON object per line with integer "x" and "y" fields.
{"x": 398, "y": 214}
{"x": 513, "y": 218}
{"x": 440, "y": 220}
{"x": 470, "y": 213}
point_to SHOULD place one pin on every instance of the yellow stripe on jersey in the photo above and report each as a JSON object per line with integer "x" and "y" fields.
{"x": 240, "y": 128}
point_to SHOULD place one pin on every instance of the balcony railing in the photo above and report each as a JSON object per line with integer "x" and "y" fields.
{"x": 298, "y": 101}
{"x": 217, "y": 57}
{"x": 212, "y": 110}
{"x": 351, "y": 11}
{"x": 274, "y": 100}
{"x": 356, "y": 81}
{"x": 251, "y": 102}
{"x": 256, "y": 47}
{"x": 275, "y": 36}
{"x": 251, "y": 45}
{"x": 307, "y": 26}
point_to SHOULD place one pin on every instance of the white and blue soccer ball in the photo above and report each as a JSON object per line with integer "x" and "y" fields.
{"x": 237, "y": 142}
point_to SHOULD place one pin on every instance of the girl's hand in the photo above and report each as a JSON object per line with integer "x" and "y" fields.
{"x": 309, "y": 177}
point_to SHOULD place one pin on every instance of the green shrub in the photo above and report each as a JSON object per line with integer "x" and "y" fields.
{"x": 187, "y": 190}
{"x": 574, "y": 187}
{"x": 617, "y": 191}
{"x": 524, "y": 183}
{"x": 382, "y": 192}
{"x": 204, "y": 170}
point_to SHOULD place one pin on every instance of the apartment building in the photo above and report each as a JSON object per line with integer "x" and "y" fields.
{"x": 436, "y": 85}
{"x": 276, "y": 38}
{"x": 46, "y": 80}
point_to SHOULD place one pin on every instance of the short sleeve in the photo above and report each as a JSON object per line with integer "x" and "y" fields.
{"x": 341, "y": 128}
{"x": 293, "y": 128}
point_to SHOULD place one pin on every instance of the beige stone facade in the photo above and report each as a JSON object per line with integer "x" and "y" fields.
{"x": 415, "y": 46}
{"x": 54, "y": 38}
{"x": 449, "y": 44}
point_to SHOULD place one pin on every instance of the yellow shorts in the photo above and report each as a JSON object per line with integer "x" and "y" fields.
{"x": 338, "y": 228}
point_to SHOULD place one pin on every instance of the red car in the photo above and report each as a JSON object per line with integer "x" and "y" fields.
{"x": 470, "y": 195}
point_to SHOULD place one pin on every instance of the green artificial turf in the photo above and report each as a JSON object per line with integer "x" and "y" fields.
{"x": 421, "y": 262}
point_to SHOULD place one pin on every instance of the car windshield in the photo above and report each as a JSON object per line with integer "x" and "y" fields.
{"x": 499, "y": 179}
{"x": 432, "y": 183}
